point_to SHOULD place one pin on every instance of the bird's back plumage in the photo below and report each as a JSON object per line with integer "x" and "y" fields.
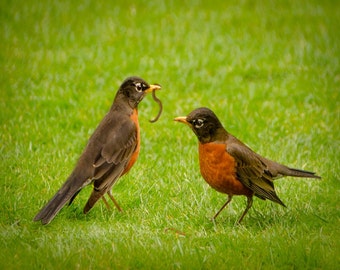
{"x": 111, "y": 150}
{"x": 258, "y": 173}
{"x": 103, "y": 161}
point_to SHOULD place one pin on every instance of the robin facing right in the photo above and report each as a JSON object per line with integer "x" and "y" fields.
{"x": 110, "y": 153}
{"x": 231, "y": 167}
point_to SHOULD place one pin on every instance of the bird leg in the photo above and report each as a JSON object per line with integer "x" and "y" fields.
{"x": 249, "y": 204}
{"x": 114, "y": 201}
{"x": 224, "y": 205}
{"x": 106, "y": 203}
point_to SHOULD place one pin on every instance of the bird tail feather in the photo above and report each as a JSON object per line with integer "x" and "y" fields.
{"x": 301, "y": 173}
{"x": 95, "y": 196}
{"x": 64, "y": 194}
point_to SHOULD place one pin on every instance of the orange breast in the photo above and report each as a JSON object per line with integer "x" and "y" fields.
{"x": 218, "y": 168}
{"x": 134, "y": 118}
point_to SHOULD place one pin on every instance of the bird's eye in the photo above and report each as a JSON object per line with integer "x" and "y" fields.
{"x": 198, "y": 123}
{"x": 139, "y": 87}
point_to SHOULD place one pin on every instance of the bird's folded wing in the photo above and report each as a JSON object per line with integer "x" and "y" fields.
{"x": 119, "y": 145}
{"x": 252, "y": 171}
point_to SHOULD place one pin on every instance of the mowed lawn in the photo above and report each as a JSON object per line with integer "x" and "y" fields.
{"x": 269, "y": 70}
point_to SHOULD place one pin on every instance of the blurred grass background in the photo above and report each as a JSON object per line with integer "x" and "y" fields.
{"x": 269, "y": 70}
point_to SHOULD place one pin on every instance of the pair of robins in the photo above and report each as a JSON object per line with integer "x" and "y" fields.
{"x": 228, "y": 165}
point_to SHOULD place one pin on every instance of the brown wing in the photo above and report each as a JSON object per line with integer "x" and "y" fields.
{"x": 103, "y": 160}
{"x": 252, "y": 170}
{"x": 114, "y": 154}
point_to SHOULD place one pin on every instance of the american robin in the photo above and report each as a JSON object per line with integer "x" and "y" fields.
{"x": 231, "y": 167}
{"x": 110, "y": 153}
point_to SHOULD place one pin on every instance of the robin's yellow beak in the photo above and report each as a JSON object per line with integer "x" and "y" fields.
{"x": 153, "y": 87}
{"x": 182, "y": 119}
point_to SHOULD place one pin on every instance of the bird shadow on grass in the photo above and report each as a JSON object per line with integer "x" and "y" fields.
{"x": 99, "y": 213}
{"x": 256, "y": 220}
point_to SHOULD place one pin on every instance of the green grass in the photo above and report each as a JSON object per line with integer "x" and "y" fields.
{"x": 271, "y": 73}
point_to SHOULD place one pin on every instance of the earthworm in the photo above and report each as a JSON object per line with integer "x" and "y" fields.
{"x": 160, "y": 106}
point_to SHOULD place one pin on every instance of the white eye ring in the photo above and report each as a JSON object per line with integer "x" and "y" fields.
{"x": 198, "y": 123}
{"x": 139, "y": 87}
